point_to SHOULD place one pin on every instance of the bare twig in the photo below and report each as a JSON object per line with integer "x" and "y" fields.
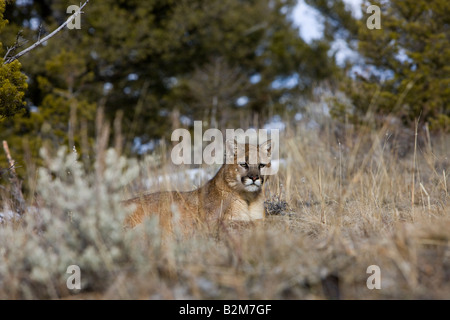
{"x": 16, "y": 45}
{"x": 3, "y": 170}
{"x": 40, "y": 41}
{"x": 428, "y": 198}
{"x": 8, "y": 156}
{"x": 445, "y": 183}
{"x": 39, "y": 32}
{"x": 414, "y": 169}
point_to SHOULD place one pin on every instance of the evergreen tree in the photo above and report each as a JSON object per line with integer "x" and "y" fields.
{"x": 145, "y": 60}
{"x": 12, "y": 81}
{"x": 406, "y": 69}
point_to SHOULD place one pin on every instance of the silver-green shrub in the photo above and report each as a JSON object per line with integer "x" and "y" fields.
{"x": 79, "y": 221}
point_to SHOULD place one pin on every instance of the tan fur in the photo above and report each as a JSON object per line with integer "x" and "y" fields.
{"x": 225, "y": 196}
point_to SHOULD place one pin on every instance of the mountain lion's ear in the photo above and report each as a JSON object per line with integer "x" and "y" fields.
{"x": 266, "y": 147}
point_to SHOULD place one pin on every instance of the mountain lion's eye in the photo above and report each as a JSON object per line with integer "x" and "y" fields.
{"x": 261, "y": 165}
{"x": 244, "y": 165}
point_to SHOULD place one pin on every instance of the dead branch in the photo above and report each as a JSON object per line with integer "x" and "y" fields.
{"x": 40, "y": 41}
{"x": 8, "y": 156}
{"x": 16, "y": 185}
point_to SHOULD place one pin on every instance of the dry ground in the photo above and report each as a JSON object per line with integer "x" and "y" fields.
{"x": 344, "y": 200}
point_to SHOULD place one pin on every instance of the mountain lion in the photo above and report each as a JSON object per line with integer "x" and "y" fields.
{"x": 235, "y": 192}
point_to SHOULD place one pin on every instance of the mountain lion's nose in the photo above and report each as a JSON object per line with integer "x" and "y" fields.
{"x": 254, "y": 178}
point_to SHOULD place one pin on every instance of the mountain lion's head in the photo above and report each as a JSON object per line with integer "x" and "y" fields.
{"x": 247, "y": 165}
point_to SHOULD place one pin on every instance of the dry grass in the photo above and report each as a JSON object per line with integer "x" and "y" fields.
{"x": 345, "y": 199}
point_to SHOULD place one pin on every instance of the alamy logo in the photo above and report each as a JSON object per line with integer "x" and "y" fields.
{"x": 75, "y": 22}
{"x": 213, "y": 153}
{"x": 374, "y": 281}
{"x": 74, "y": 280}
{"x": 374, "y": 21}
